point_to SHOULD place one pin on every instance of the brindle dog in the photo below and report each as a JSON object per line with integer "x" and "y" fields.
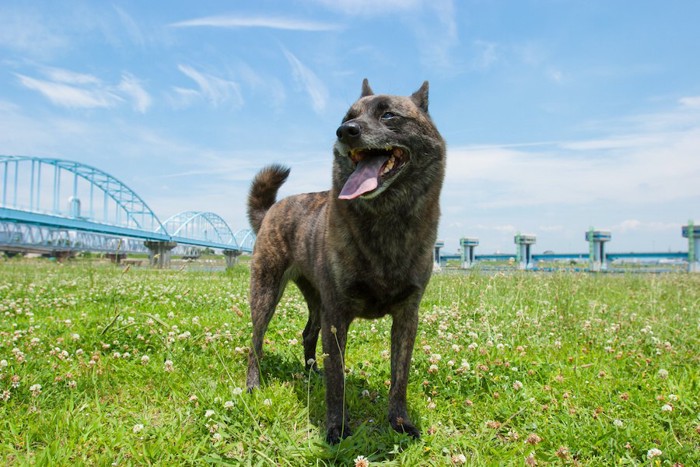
{"x": 364, "y": 249}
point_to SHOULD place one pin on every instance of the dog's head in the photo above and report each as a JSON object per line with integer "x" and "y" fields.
{"x": 387, "y": 144}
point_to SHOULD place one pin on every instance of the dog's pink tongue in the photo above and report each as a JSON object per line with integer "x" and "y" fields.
{"x": 365, "y": 178}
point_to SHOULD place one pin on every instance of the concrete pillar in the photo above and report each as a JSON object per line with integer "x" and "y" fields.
{"x": 524, "y": 251}
{"x": 436, "y": 255}
{"x": 468, "y": 245}
{"x": 231, "y": 257}
{"x": 159, "y": 253}
{"x": 692, "y": 233}
{"x": 596, "y": 249}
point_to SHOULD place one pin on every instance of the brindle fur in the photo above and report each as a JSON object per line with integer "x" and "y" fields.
{"x": 359, "y": 258}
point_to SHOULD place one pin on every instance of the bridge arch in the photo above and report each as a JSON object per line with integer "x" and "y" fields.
{"x": 201, "y": 225}
{"x": 48, "y": 174}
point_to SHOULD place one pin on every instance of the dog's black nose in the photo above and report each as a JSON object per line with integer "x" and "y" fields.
{"x": 348, "y": 131}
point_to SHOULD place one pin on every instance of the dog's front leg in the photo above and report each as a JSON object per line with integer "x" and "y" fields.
{"x": 403, "y": 336}
{"x": 334, "y": 332}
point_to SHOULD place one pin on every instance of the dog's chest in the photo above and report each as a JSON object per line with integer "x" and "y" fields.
{"x": 376, "y": 298}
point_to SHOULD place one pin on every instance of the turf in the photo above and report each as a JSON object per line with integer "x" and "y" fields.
{"x": 111, "y": 366}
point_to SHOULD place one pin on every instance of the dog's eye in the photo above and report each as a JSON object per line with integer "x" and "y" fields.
{"x": 388, "y": 115}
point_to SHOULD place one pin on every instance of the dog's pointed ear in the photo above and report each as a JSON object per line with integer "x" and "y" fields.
{"x": 420, "y": 97}
{"x": 366, "y": 90}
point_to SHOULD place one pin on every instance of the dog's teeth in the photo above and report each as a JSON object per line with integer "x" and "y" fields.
{"x": 389, "y": 165}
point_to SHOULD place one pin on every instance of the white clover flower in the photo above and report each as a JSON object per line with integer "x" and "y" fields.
{"x": 361, "y": 461}
{"x": 168, "y": 366}
{"x": 209, "y": 413}
{"x": 228, "y": 405}
{"x": 517, "y": 385}
{"x": 216, "y": 437}
{"x": 667, "y": 408}
{"x": 459, "y": 459}
{"x": 137, "y": 428}
{"x": 663, "y": 374}
{"x": 35, "y": 389}
{"x": 75, "y": 337}
{"x": 672, "y": 397}
{"x": 267, "y": 402}
{"x": 653, "y": 452}
{"x": 237, "y": 391}
{"x": 145, "y": 359}
{"x": 3, "y": 364}
{"x": 618, "y": 423}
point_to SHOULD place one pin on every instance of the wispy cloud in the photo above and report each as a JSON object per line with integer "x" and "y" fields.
{"x": 692, "y": 102}
{"x": 26, "y": 31}
{"x": 70, "y": 96}
{"x": 314, "y": 86}
{"x": 215, "y": 90}
{"x": 67, "y": 88}
{"x": 131, "y": 86}
{"x": 435, "y": 39}
{"x": 269, "y": 22}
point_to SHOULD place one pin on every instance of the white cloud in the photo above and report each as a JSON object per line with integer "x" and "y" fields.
{"x": 67, "y": 88}
{"x": 70, "y": 96}
{"x": 635, "y": 225}
{"x": 131, "y": 86}
{"x": 233, "y": 21}
{"x": 212, "y": 88}
{"x": 130, "y": 26}
{"x": 314, "y": 86}
{"x": 692, "y": 102}
{"x": 69, "y": 77}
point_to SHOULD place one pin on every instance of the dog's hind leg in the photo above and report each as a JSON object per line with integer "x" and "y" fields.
{"x": 266, "y": 289}
{"x": 313, "y": 325}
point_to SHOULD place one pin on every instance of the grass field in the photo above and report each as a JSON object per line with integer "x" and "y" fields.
{"x": 101, "y": 365}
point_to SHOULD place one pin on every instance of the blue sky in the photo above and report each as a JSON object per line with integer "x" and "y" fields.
{"x": 559, "y": 115}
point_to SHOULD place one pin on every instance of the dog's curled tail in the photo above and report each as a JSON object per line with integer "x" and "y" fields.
{"x": 263, "y": 192}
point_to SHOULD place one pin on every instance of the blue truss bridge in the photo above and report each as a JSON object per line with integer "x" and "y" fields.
{"x": 58, "y": 207}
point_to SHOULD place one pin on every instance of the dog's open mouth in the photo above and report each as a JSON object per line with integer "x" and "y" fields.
{"x": 374, "y": 168}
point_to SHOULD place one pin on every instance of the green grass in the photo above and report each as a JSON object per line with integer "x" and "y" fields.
{"x": 563, "y": 369}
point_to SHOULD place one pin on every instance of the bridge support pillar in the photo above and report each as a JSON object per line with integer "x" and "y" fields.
{"x": 231, "y": 257}
{"x": 436, "y": 255}
{"x": 159, "y": 253}
{"x": 692, "y": 233}
{"x": 524, "y": 252}
{"x": 596, "y": 249}
{"x": 468, "y": 245}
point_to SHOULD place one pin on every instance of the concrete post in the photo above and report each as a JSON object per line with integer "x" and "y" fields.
{"x": 231, "y": 257}
{"x": 524, "y": 251}
{"x": 436, "y": 255}
{"x": 692, "y": 233}
{"x": 468, "y": 245}
{"x": 596, "y": 249}
{"x": 159, "y": 253}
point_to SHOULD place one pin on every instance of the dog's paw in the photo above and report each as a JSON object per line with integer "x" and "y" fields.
{"x": 404, "y": 426}
{"x": 337, "y": 433}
